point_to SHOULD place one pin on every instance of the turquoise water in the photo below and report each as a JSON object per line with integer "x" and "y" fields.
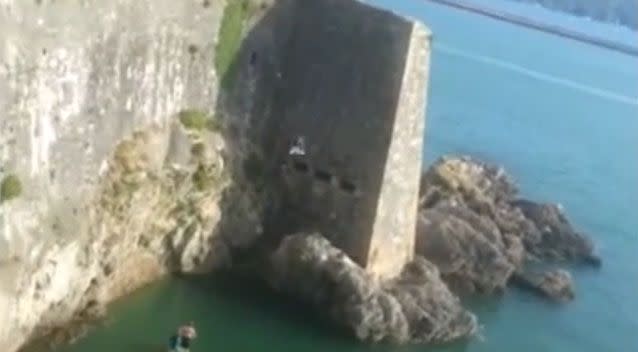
{"x": 561, "y": 116}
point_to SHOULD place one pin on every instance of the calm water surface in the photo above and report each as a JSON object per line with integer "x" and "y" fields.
{"x": 561, "y": 116}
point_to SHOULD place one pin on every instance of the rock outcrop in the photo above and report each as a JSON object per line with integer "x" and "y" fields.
{"x": 478, "y": 232}
{"x": 415, "y": 307}
{"x": 558, "y": 240}
{"x": 555, "y": 284}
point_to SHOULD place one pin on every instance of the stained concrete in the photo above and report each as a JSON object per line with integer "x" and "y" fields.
{"x": 355, "y": 78}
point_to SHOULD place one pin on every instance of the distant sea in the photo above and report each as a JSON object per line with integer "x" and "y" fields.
{"x": 560, "y": 116}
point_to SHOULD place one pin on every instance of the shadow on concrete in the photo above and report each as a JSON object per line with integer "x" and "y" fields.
{"x": 247, "y": 105}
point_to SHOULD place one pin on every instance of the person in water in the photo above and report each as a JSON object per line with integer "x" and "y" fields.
{"x": 181, "y": 341}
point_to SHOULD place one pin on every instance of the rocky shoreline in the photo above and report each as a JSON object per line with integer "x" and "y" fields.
{"x": 475, "y": 235}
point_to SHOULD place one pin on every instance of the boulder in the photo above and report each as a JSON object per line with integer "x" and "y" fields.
{"x": 556, "y": 284}
{"x": 416, "y": 307}
{"x": 475, "y": 228}
{"x": 468, "y": 250}
{"x": 558, "y": 240}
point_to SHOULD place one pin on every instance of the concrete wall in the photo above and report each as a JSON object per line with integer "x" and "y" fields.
{"x": 355, "y": 79}
{"x": 392, "y": 236}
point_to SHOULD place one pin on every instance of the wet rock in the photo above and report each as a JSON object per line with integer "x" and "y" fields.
{"x": 556, "y": 285}
{"x": 559, "y": 240}
{"x": 475, "y": 228}
{"x": 470, "y": 256}
{"x": 433, "y": 313}
{"x": 416, "y": 307}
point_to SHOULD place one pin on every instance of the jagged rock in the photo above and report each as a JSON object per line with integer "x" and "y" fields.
{"x": 559, "y": 240}
{"x": 471, "y": 257}
{"x": 556, "y": 284}
{"x": 433, "y": 313}
{"x": 473, "y": 226}
{"x": 416, "y": 307}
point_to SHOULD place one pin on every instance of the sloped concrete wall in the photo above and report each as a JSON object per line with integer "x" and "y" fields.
{"x": 355, "y": 79}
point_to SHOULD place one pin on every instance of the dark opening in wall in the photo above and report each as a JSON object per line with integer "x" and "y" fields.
{"x": 347, "y": 186}
{"x": 300, "y": 166}
{"x": 323, "y": 176}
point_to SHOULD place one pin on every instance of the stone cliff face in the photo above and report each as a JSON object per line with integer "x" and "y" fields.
{"x": 114, "y": 165}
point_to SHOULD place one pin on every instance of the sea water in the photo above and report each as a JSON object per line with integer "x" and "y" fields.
{"x": 559, "y": 115}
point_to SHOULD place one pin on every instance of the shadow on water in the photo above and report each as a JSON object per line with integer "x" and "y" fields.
{"x": 238, "y": 289}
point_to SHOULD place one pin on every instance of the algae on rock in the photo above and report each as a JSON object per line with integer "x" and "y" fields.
{"x": 10, "y": 188}
{"x": 236, "y": 15}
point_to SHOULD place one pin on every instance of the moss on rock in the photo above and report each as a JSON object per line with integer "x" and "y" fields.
{"x": 198, "y": 149}
{"x": 204, "y": 177}
{"x": 193, "y": 119}
{"x": 197, "y": 120}
{"x": 236, "y": 15}
{"x": 10, "y": 188}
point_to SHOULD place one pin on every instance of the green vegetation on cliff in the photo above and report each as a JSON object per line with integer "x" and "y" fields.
{"x": 623, "y": 12}
{"x": 10, "y": 188}
{"x": 198, "y": 120}
{"x": 236, "y": 15}
{"x": 193, "y": 119}
{"x": 204, "y": 177}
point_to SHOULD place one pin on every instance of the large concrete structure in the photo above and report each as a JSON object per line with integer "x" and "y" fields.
{"x": 114, "y": 190}
{"x": 354, "y": 87}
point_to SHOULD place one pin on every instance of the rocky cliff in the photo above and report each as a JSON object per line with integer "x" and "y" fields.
{"x": 114, "y": 161}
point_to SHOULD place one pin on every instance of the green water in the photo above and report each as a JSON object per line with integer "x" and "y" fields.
{"x": 561, "y": 116}
{"x": 230, "y": 315}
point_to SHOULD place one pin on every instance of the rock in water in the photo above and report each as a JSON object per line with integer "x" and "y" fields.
{"x": 468, "y": 250}
{"x": 416, "y": 307}
{"x": 556, "y": 284}
{"x": 473, "y": 226}
{"x": 559, "y": 240}
{"x": 433, "y": 313}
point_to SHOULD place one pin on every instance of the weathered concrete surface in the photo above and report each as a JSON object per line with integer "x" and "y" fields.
{"x": 392, "y": 242}
{"x": 355, "y": 78}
